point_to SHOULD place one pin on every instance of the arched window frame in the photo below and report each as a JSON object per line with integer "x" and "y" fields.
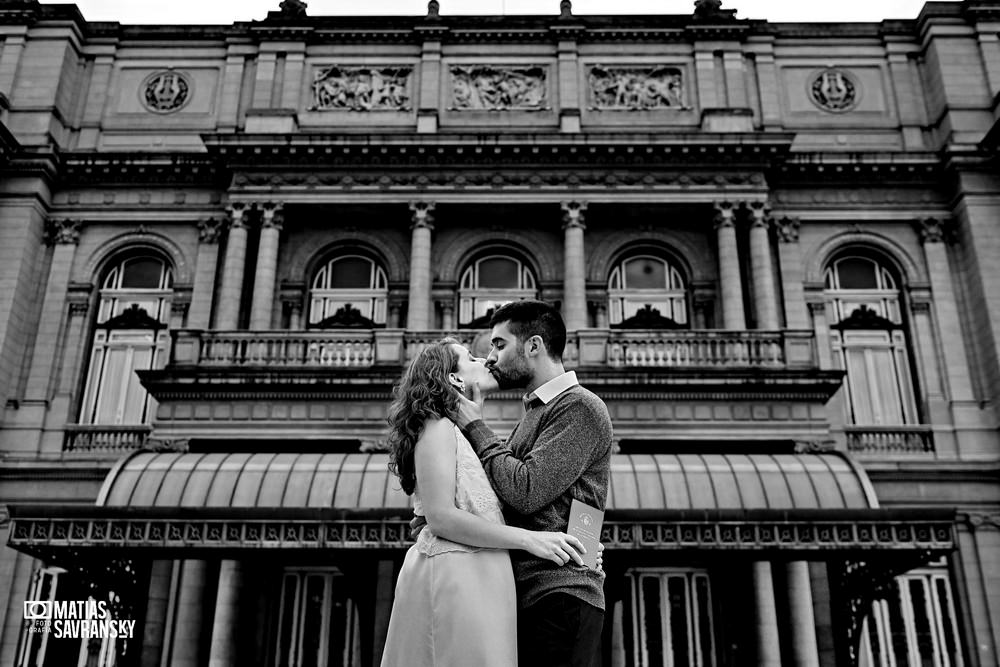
{"x": 870, "y": 344}
{"x": 326, "y": 302}
{"x": 475, "y": 302}
{"x": 130, "y": 335}
{"x": 625, "y": 302}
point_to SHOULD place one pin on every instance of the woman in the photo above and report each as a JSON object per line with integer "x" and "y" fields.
{"x": 455, "y": 602}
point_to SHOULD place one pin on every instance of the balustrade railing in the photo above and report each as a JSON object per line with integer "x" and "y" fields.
{"x": 889, "y": 440}
{"x": 104, "y": 438}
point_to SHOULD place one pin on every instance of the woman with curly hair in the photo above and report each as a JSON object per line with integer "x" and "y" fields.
{"x": 455, "y": 602}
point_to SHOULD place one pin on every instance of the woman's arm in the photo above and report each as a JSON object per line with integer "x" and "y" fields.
{"x": 435, "y": 461}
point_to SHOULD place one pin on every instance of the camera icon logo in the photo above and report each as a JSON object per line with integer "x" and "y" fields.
{"x": 36, "y": 610}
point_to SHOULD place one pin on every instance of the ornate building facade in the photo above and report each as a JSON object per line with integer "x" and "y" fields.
{"x": 775, "y": 247}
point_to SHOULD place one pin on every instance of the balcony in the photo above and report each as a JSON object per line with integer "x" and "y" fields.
{"x": 890, "y": 441}
{"x": 98, "y": 438}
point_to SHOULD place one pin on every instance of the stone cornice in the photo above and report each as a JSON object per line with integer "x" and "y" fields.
{"x": 145, "y": 169}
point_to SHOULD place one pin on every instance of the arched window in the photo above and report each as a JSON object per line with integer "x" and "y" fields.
{"x": 645, "y": 291}
{"x": 488, "y": 283}
{"x": 348, "y": 291}
{"x": 131, "y": 335}
{"x": 869, "y": 340}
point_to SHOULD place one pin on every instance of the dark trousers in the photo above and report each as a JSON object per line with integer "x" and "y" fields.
{"x": 559, "y": 631}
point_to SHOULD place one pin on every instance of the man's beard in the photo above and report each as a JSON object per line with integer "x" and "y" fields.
{"x": 517, "y": 376}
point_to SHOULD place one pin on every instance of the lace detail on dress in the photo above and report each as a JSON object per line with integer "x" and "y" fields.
{"x": 473, "y": 494}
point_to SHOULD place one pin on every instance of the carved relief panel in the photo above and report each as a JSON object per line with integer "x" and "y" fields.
{"x": 338, "y": 88}
{"x": 498, "y": 88}
{"x": 636, "y": 88}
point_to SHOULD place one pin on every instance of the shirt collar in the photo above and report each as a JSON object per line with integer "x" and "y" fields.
{"x": 551, "y": 389}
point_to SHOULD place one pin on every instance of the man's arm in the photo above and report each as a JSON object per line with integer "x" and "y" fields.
{"x": 563, "y": 450}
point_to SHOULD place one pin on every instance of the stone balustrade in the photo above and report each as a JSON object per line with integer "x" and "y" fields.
{"x": 104, "y": 438}
{"x": 889, "y": 440}
{"x": 362, "y": 348}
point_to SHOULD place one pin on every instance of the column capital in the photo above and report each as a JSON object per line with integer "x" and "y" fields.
{"x": 759, "y": 211}
{"x": 209, "y": 230}
{"x": 934, "y": 230}
{"x": 237, "y": 215}
{"x": 787, "y": 229}
{"x": 817, "y": 307}
{"x": 573, "y": 214}
{"x": 725, "y": 214}
{"x": 272, "y": 215}
{"x": 422, "y": 214}
{"x": 63, "y": 231}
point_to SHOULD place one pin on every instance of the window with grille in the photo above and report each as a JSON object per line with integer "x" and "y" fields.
{"x": 642, "y": 284}
{"x": 915, "y": 626}
{"x": 671, "y": 618}
{"x": 318, "y": 623}
{"x": 490, "y": 282}
{"x": 346, "y": 288}
{"x": 131, "y": 334}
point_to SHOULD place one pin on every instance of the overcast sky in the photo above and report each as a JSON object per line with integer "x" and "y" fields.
{"x": 227, "y": 11}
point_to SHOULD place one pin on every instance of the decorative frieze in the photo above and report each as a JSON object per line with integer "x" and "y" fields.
{"x": 209, "y": 230}
{"x": 787, "y": 229}
{"x": 834, "y": 90}
{"x": 166, "y": 91}
{"x": 338, "y": 88}
{"x": 636, "y": 88}
{"x": 63, "y": 231}
{"x": 489, "y": 88}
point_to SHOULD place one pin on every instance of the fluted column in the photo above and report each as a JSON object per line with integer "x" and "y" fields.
{"x": 185, "y": 644}
{"x": 574, "y": 307}
{"x": 206, "y": 264}
{"x": 234, "y": 264}
{"x": 418, "y": 317}
{"x": 262, "y": 302}
{"x": 729, "y": 267}
{"x": 805, "y": 651}
{"x": 768, "y": 646}
{"x": 225, "y": 624}
{"x": 956, "y": 363}
{"x": 761, "y": 263}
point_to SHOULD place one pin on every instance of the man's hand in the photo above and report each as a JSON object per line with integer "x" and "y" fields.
{"x": 468, "y": 411}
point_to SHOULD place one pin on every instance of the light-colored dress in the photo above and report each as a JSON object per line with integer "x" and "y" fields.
{"x": 455, "y": 605}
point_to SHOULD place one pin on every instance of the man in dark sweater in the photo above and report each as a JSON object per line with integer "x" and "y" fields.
{"x": 560, "y": 450}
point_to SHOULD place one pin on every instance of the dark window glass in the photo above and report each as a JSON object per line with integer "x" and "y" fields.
{"x": 312, "y": 622}
{"x": 351, "y": 273}
{"x": 677, "y": 591}
{"x": 856, "y": 273}
{"x": 142, "y": 273}
{"x": 645, "y": 273}
{"x": 652, "y": 611}
{"x": 704, "y": 620}
{"x": 944, "y": 599}
{"x": 897, "y": 629}
{"x": 286, "y": 652}
{"x": 498, "y": 272}
{"x": 922, "y": 624}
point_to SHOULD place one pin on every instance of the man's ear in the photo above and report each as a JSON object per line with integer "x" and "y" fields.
{"x": 534, "y": 345}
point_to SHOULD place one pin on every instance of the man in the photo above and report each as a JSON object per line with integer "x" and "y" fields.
{"x": 560, "y": 450}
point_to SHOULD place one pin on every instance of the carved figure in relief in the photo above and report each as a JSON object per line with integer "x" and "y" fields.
{"x": 498, "y": 88}
{"x": 833, "y": 90}
{"x": 361, "y": 89}
{"x": 632, "y": 88}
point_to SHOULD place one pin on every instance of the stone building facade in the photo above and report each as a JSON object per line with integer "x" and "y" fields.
{"x": 774, "y": 246}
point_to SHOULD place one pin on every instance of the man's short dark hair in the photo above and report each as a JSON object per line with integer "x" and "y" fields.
{"x": 534, "y": 318}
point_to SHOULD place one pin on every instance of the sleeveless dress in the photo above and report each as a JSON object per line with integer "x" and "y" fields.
{"x": 455, "y": 605}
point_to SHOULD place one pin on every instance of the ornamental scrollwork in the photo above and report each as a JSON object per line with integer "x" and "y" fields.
{"x": 834, "y": 90}
{"x": 486, "y": 88}
{"x": 166, "y": 91}
{"x": 635, "y": 88}
{"x": 339, "y": 88}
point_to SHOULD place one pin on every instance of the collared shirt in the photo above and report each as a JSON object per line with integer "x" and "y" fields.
{"x": 550, "y": 390}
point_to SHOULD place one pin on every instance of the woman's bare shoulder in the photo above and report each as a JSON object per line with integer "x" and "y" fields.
{"x": 437, "y": 430}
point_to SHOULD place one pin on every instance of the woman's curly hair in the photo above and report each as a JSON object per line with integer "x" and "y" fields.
{"x": 422, "y": 394}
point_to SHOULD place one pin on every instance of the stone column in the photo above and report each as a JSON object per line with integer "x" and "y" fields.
{"x": 206, "y": 263}
{"x": 821, "y": 326}
{"x": 419, "y": 314}
{"x": 64, "y": 235}
{"x": 792, "y": 272}
{"x": 956, "y": 364}
{"x": 768, "y": 646}
{"x": 157, "y": 602}
{"x": 186, "y": 644}
{"x": 574, "y": 306}
{"x": 267, "y": 267}
{"x": 383, "y": 607}
{"x": 805, "y": 652}
{"x": 764, "y": 292}
{"x": 228, "y": 314}
{"x": 729, "y": 267}
{"x": 447, "y": 315}
{"x": 225, "y": 625}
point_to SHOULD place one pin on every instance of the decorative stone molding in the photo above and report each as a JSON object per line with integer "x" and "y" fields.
{"x": 422, "y": 214}
{"x": 79, "y": 308}
{"x": 209, "y": 230}
{"x": 433, "y": 9}
{"x": 787, "y": 229}
{"x": 758, "y": 213}
{"x": 497, "y": 88}
{"x": 636, "y": 88}
{"x": 180, "y": 309}
{"x": 165, "y": 92}
{"x": 63, "y": 231}
{"x": 923, "y": 307}
{"x": 237, "y": 215}
{"x": 166, "y": 445}
{"x": 816, "y": 307}
{"x": 934, "y": 230}
{"x": 272, "y": 216}
{"x": 338, "y": 88}
{"x": 292, "y": 9}
{"x": 834, "y": 90}
{"x": 573, "y": 214}
{"x": 980, "y": 520}
{"x": 725, "y": 214}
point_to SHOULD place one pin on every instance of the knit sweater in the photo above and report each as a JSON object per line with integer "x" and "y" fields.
{"x": 559, "y": 451}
